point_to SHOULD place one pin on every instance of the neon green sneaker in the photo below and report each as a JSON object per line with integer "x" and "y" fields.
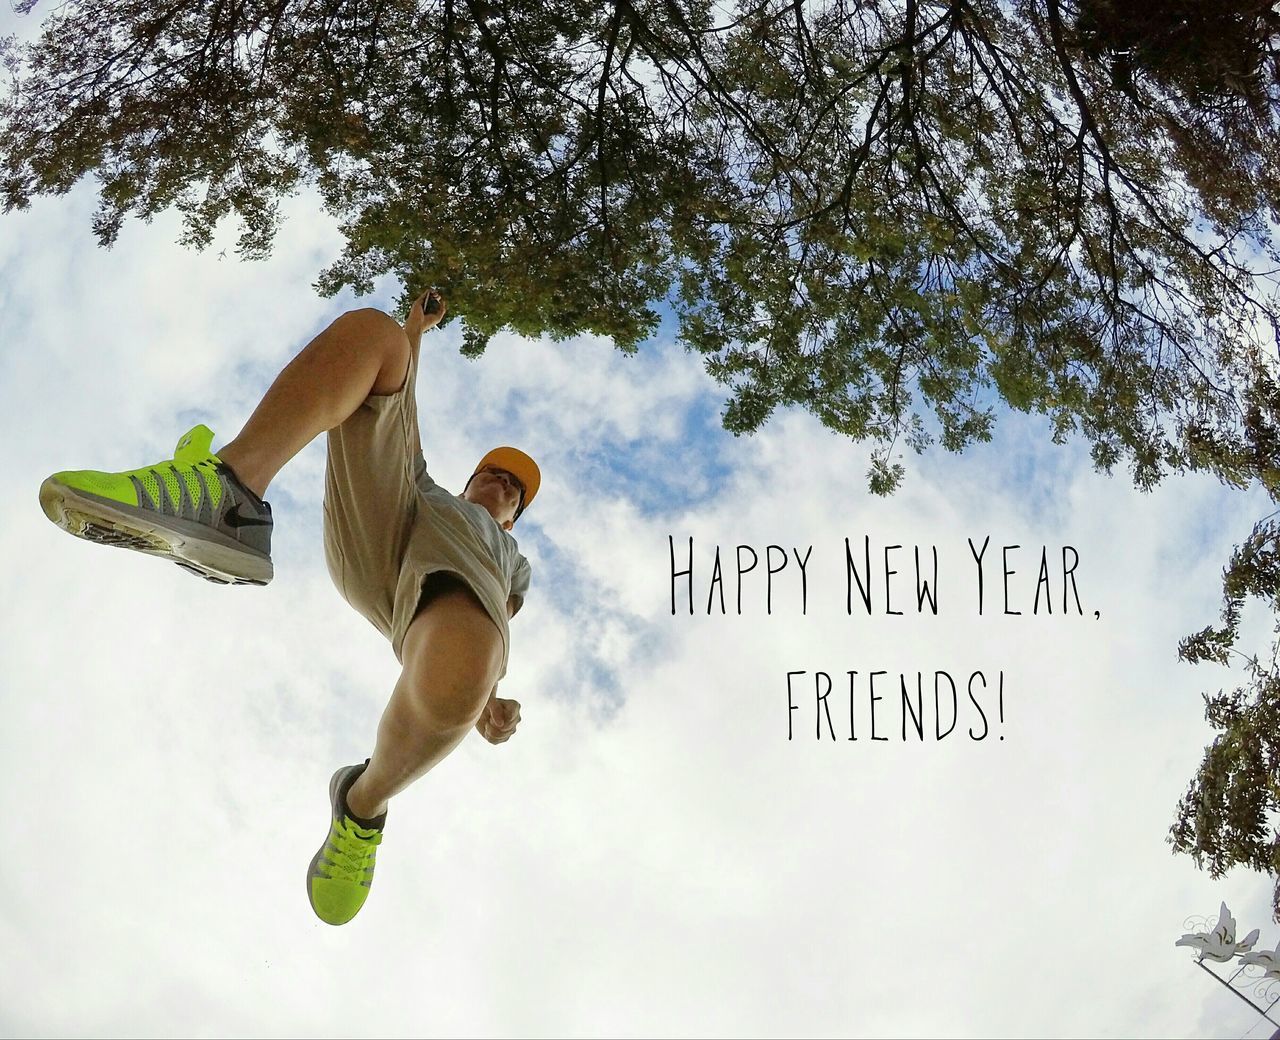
{"x": 191, "y": 509}
{"x": 341, "y": 873}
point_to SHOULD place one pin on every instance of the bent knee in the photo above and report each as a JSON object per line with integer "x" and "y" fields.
{"x": 456, "y": 707}
{"x": 452, "y": 658}
{"x": 452, "y": 696}
{"x": 371, "y": 327}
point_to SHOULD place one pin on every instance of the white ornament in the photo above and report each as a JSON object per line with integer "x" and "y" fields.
{"x": 1220, "y": 944}
{"x": 1269, "y": 959}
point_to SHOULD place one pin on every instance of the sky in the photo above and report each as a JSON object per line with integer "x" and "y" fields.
{"x": 664, "y": 847}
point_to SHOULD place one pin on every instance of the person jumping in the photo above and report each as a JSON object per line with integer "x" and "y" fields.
{"x": 438, "y": 574}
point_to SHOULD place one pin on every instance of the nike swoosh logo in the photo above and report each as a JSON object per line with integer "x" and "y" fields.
{"x": 234, "y": 519}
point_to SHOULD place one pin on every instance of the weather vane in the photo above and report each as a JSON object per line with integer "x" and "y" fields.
{"x": 1220, "y": 944}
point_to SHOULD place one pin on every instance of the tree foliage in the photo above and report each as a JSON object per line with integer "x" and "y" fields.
{"x": 861, "y": 208}
{"x": 892, "y": 214}
{"x": 1230, "y": 812}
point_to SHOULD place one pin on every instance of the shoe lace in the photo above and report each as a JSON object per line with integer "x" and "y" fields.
{"x": 351, "y": 850}
{"x": 177, "y": 467}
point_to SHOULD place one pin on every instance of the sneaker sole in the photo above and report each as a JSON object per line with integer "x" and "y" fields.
{"x": 190, "y": 545}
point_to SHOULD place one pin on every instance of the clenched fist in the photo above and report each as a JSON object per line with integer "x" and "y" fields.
{"x": 417, "y": 321}
{"x": 499, "y": 719}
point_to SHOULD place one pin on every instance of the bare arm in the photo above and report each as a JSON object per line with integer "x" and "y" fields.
{"x": 416, "y": 322}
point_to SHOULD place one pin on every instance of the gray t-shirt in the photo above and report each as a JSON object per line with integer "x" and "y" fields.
{"x": 468, "y": 541}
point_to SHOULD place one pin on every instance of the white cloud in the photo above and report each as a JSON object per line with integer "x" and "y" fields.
{"x": 650, "y": 853}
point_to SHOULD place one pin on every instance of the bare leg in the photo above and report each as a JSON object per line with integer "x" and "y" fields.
{"x": 452, "y": 654}
{"x": 362, "y": 352}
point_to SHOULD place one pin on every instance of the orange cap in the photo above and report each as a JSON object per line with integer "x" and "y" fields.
{"x": 516, "y": 462}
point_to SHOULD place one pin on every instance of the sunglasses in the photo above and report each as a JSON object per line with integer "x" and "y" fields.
{"x": 511, "y": 476}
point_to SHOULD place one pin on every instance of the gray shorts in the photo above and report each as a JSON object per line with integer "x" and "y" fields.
{"x": 377, "y": 544}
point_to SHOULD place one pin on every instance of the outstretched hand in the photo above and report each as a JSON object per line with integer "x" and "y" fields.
{"x": 499, "y": 719}
{"x": 417, "y": 322}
